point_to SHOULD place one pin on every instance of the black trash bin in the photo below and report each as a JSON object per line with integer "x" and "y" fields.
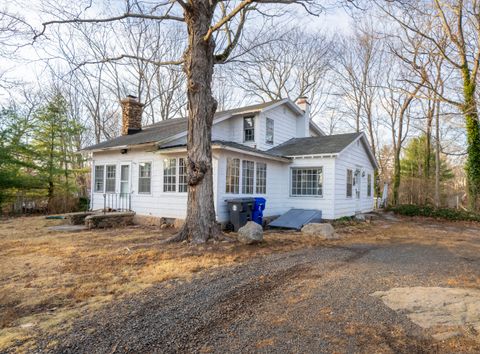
{"x": 240, "y": 210}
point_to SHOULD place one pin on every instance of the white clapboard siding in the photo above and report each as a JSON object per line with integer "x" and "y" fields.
{"x": 352, "y": 157}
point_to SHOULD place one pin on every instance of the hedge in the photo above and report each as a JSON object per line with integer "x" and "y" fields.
{"x": 429, "y": 211}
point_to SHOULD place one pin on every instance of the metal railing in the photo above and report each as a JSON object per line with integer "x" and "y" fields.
{"x": 117, "y": 202}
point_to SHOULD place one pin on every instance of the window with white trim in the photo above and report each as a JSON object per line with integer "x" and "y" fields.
{"x": 248, "y": 170}
{"x": 261, "y": 187}
{"x": 110, "y": 178}
{"x": 170, "y": 175}
{"x": 248, "y": 129}
{"x": 233, "y": 176}
{"x": 99, "y": 179}
{"x": 349, "y": 183}
{"x": 124, "y": 179}
{"x": 269, "y": 131}
{"x": 307, "y": 181}
{"x": 369, "y": 185}
{"x": 144, "y": 177}
{"x": 182, "y": 175}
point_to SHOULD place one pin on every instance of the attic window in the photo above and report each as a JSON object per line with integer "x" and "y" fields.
{"x": 248, "y": 129}
{"x": 269, "y": 131}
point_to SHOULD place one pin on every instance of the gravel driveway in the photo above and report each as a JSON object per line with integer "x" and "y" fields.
{"x": 314, "y": 300}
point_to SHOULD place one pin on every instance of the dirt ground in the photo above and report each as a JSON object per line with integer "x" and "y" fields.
{"x": 49, "y": 278}
{"x": 120, "y": 291}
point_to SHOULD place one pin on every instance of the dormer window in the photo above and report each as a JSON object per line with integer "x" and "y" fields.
{"x": 269, "y": 131}
{"x": 248, "y": 129}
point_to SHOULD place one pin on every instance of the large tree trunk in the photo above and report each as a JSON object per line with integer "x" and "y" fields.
{"x": 473, "y": 138}
{"x": 200, "y": 223}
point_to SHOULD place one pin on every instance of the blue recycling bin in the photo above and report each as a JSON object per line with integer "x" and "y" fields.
{"x": 258, "y": 208}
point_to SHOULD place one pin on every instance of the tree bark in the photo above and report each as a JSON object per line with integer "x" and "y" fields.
{"x": 200, "y": 223}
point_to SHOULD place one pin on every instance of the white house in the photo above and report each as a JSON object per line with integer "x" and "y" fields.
{"x": 272, "y": 150}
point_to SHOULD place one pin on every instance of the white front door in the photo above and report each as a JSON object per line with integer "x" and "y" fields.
{"x": 124, "y": 180}
{"x": 357, "y": 180}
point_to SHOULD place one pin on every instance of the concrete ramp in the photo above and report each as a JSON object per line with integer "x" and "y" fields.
{"x": 296, "y": 218}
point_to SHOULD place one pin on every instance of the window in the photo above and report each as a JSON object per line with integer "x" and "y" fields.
{"x": 124, "y": 179}
{"x": 170, "y": 175}
{"x": 110, "y": 179}
{"x": 248, "y": 129}
{"x": 349, "y": 182}
{"x": 247, "y": 176}
{"x": 144, "y": 177}
{"x": 307, "y": 181}
{"x": 182, "y": 176}
{"x": 99, "y": 174}
{"x": 269, "y": 131}
{"x": 233, "y": 176}
{"x": 261, "y": 178}
{"x": 369, "y": 185}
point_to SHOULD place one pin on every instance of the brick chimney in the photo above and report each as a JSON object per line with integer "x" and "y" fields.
{"x": 131, "y": 115}
{"x": 303, "y": 125}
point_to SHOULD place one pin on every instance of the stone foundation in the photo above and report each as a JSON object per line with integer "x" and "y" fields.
{"x": 99, "y": 221}
{"x": 78, "y": 218}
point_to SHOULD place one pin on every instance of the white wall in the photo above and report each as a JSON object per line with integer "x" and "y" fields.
{"x": 354, "y": 157}
{"x": 158, "y": 202}
{"x": 278, "y": 196}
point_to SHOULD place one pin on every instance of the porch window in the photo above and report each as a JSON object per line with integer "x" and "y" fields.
{"x": 233, "y": 176}
{"x": 169, "y": 175}
{"x": 349, "y": 183}
{"x": 307, "y": 181}
{"x": 248, "y": 129}
{"x": 261, "y": 178}
{"x": 144, "y": 177}
{"x": 99, "y": 175}
{"x": 248, "y": 168}
{"x": 110, "y": 179}
{"x": 269, "y": 131}
{"x": 124, "y": 179}
{"x": 369, "y": 185}
{"x": 182, "y": 175}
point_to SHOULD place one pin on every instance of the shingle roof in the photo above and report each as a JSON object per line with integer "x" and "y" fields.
{"x": 327, "y": 144}
{"x": 168, "y": 128}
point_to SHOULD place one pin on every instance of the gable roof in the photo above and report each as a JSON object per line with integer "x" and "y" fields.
{"x": 322, "y": 145}
{"x": 166, "y": 129}
{"x": 319, "y": 145}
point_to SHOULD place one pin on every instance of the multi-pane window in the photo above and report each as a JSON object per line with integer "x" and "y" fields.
{"x": 144, "y": 177}
{"x": 169, "y": 175}
{"x": 269, "y": 131}
{"x": 248, "y": 170}
{"x": 349, "y": 182}
{"x": 99, "y": 175}
{"x": 369, "y": 185}
{"x": 248, "y": 129}
{"x": 307, "y": 181}
{"x": 110, "y": 178}
{"x": 233, "y": 176}
{"x": 261, "y": 178}
{"x": 124, "y": 179}
{"x": 182, "y": 175}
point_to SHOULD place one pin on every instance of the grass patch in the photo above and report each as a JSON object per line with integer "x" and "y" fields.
{"x": 49, "y": 278}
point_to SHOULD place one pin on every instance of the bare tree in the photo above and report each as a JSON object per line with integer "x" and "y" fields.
{"x": 207, "y": 22}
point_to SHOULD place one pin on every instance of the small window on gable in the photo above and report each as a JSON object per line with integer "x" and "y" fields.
{"x": 269, "y": 131}
{"x": 349, "y": 182}
{"x": 248, "y": 129}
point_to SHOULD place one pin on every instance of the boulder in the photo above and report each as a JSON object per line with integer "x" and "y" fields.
{"x": 250, "y": 233}
{"x": 321, "y": 230}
